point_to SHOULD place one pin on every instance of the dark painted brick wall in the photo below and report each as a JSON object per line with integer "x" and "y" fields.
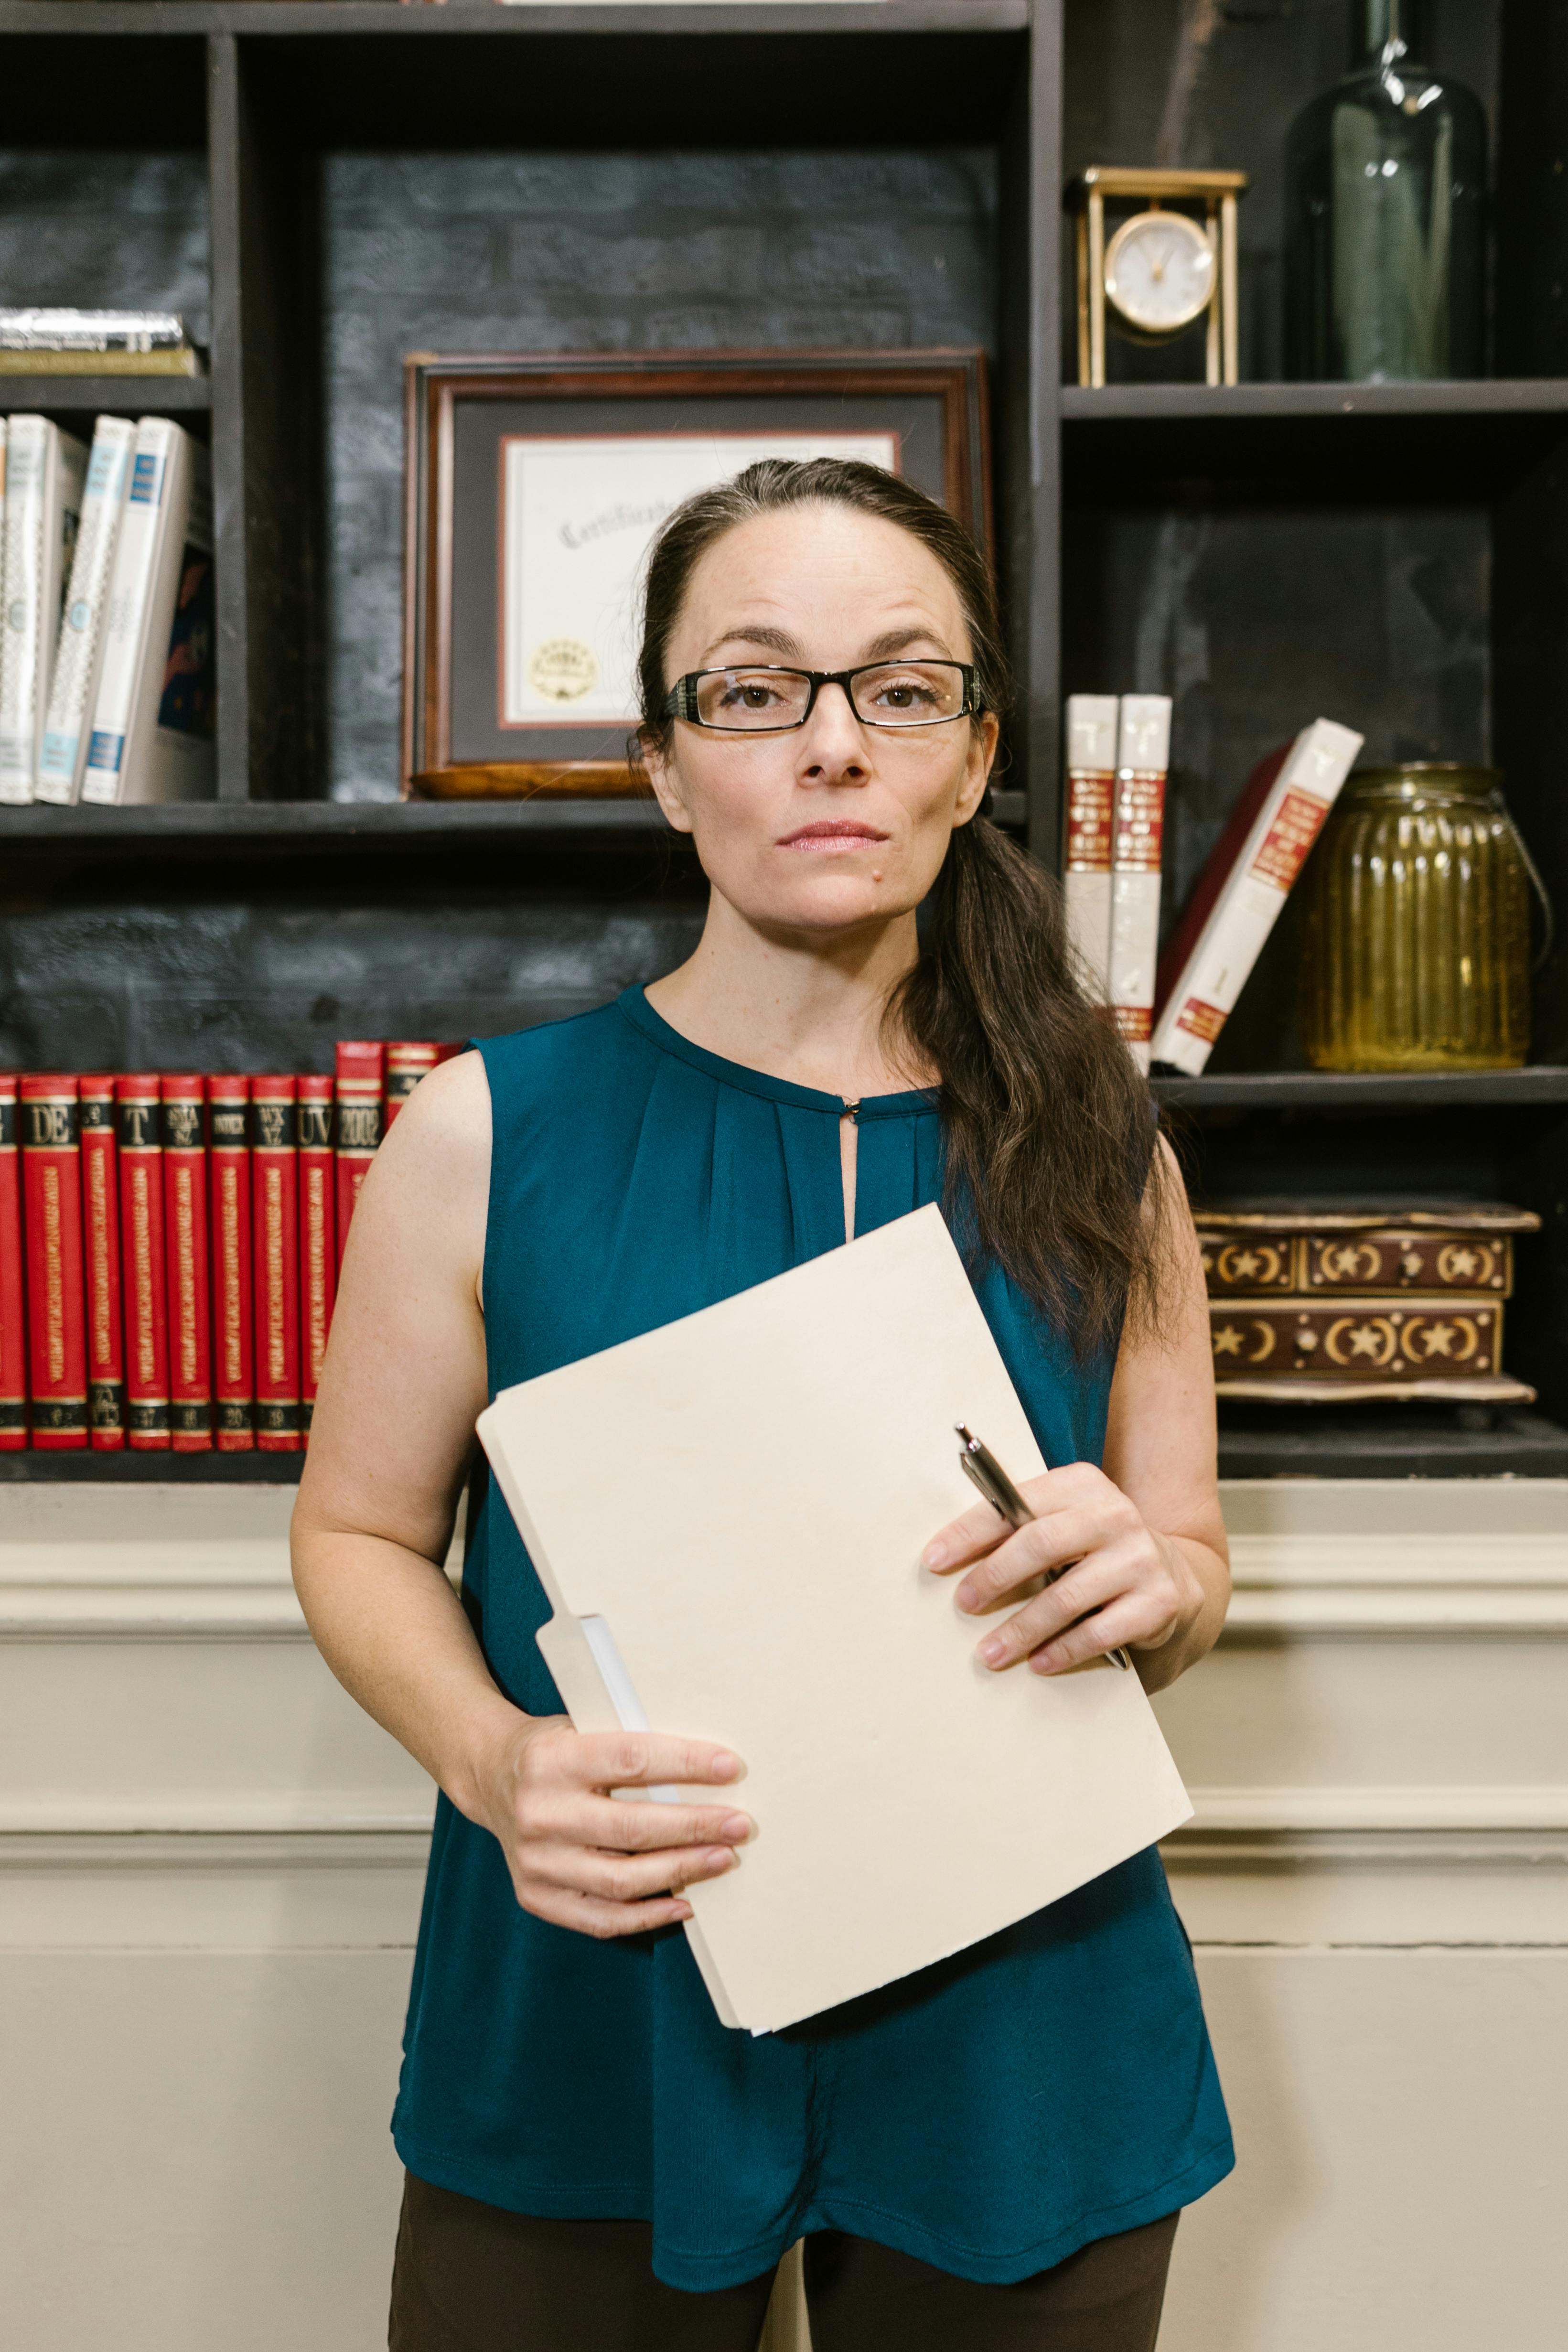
{"x": 1258, "y": 621}
{"x": 103, "y": 230}
{"x": 269, "y": 983}
{"x": 608, "y": 252}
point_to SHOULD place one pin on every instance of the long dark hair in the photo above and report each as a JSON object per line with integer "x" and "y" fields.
{"x": 1049, "y": 1127}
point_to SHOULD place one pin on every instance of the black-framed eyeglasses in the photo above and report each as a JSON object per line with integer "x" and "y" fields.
{"x": 764, "y": 699}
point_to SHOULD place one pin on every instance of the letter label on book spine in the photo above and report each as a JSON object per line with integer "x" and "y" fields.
{"x": 101, "y": 1227}
{"x": 56, "y": 1320}
{"x": 233, "y": 1376}
{"x": 1143, "y": 757}
{"x": 12, "y": 1323}
{"x": 1092, "y": 784}
{"x": 138, "y": 1103}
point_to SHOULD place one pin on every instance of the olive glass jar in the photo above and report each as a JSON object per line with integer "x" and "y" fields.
{"x": 1418, "y": 930}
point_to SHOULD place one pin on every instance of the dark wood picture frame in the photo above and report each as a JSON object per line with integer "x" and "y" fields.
{"x": 944, "y": 391}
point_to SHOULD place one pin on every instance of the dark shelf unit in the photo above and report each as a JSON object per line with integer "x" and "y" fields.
{"x": 151, "y": 1469}
{"x": 345, "y": 145}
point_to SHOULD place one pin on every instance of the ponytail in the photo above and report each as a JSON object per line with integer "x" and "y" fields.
{"x": 1049, "y": 1130}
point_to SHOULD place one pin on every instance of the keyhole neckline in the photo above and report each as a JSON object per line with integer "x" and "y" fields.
{"x": 634, "y": 1006}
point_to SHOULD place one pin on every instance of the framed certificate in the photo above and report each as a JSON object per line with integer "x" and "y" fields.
{"x": 533, "y": 489}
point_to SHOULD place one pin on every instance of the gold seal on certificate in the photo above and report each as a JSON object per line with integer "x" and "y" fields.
{"x": 563, "y": 670}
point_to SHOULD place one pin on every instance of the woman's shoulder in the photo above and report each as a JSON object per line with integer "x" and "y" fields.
{"x": 557, "y": 1056}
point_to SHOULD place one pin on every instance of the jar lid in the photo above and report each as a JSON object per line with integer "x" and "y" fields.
{"x": 1425, "y": 779}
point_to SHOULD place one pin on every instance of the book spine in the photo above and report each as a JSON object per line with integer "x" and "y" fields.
{"x": 138, "y": 1110}
{"x": 12, "y": 1291}
{"x": 359, "y": 1085}
{"x": 101, "y": 1246}
{"x": 21, "y": 603}
{"x": 1250, "y": 899}
{"x": 72, "y": 689}
{"x": 187, "y": 1263}
{"x": 1086, "y": 863}
{"x": 274, "y": 1158}
{"x": 318, "y": 1237}
{"x": 170, "y": 750}
{"x": 232, "y": 1258}
{"x": 1142, "y": 754}
{"x": 127, "y": 611}
{"x": 406, "y": 1064}
{"x": 51, "y": 1214}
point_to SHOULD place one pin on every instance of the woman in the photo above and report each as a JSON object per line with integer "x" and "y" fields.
{"x": 992, "y": 2153}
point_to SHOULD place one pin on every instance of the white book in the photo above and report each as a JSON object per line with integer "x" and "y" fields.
{"x": 63, "y": 753}
{"x": 1142, "y": 758}
{"x": 1086, "y": 875}
{"x": 151, "y": 733}
{"x": 1247, "y": 905}
{"x": 43, "y": 475}
{"x": 727, "y": 1515}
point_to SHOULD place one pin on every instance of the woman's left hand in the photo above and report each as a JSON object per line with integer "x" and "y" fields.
{"x": 1123, "y": 1583}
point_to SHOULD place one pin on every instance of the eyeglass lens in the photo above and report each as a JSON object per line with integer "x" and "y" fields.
{"x": 892, "y": 694}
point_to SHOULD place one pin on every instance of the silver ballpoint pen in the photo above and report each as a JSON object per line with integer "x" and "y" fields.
{"x": 983, "y": 1470}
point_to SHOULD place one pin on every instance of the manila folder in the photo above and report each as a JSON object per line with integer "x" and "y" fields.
{"x": 728, "y": 1515}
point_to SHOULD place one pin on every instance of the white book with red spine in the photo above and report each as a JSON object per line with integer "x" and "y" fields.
{"x": 1086, "y": 863}
{"x": 1137, "y": 825}
{"x": 1241, "y": 887}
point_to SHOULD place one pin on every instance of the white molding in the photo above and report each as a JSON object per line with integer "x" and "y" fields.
{"x": 238, "y": 1814}
{"x": 269, "y": 1852}
{"x": 1415, "y": 1807}
{"x": 150, "y": 1613}
{"x": 262, "y": 1829}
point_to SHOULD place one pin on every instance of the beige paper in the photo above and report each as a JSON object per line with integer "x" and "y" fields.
{"x": 742, "y": 1498}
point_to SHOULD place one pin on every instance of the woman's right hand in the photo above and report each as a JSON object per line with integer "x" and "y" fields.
{"x": 605, "y": 1865}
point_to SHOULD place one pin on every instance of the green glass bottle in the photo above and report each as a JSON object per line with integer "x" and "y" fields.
{"x": 1385, "y": 215}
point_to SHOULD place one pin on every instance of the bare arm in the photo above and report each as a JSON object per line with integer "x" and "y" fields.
{"x": 1143, "y": 1540}
{"x": 390, "y": 1440}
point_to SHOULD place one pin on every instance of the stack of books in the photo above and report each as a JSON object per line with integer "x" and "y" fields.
{"x": 170, "y": 1248}
{"x": 1119, "y": 753}
{"x": 108, "y": 690}
{"x": 96, "y": 342}
{"x": 1341, "y": 1303}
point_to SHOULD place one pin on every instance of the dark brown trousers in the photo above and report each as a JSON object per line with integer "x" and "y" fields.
{"x": 474, "y": 2278}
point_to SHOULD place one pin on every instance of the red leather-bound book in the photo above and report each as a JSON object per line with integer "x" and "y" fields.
{"x": 139, "y": 1112}
{"x": 186, "y": 1249}
{"x": 100, "y": 1251}
{"x": 318, "y": 1237}
{"x": 12, "y": 1322}
{"x": 359, "y": 1126}
{"x": 275, "y": 1193}
{"x": 406, "y": 1064}
{"x": 234, "y": 1379}
{"x": 51, "y": 1221}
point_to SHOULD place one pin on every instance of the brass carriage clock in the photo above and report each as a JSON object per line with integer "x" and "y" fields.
{"x": 1162, "y": 268}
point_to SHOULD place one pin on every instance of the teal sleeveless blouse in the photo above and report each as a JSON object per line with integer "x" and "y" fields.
{"x": 989, "y": 2115}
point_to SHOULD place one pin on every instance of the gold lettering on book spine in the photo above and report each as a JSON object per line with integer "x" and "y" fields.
{"x": 316, "y": 1268}
{"x": 142, "y": 1262}
{"x": 229, "y": 1263}
{"x": 54, "y": 1277}
{"x": 184, "y": 1245}
{"x": 272, "y": 1230}
{"x": 97, "y": 1174}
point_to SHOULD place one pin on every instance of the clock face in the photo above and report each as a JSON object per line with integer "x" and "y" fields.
{"x": 1158, "y": 271}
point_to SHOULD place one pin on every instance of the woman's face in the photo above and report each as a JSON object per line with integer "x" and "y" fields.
{"x": 837, "y": 823}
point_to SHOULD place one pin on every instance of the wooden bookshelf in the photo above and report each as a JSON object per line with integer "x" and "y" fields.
{"x": 359, "y": 178}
